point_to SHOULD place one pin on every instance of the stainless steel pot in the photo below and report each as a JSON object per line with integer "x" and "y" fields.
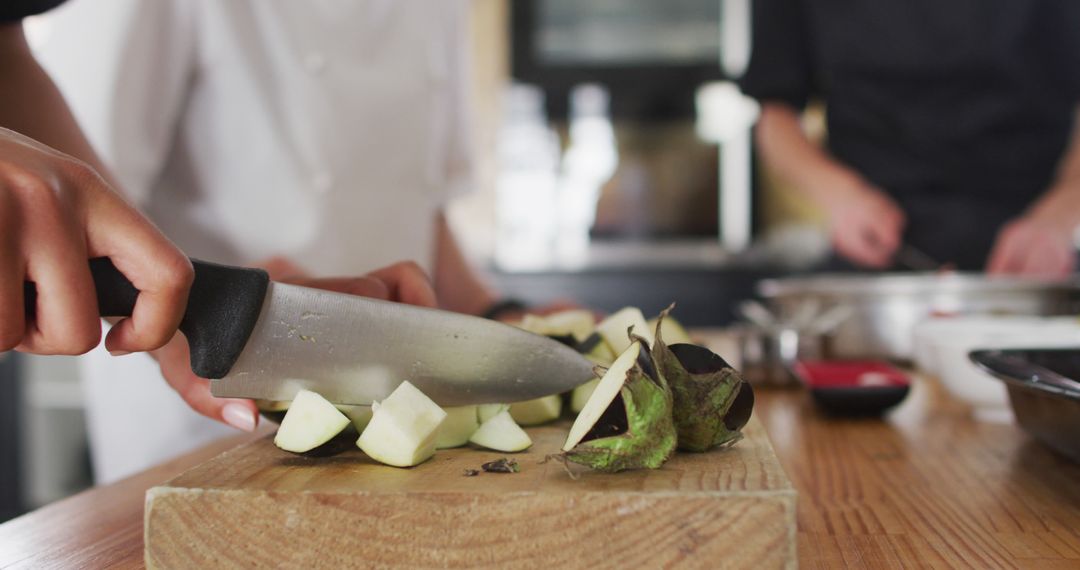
{"x": 767, "y": 354}
{"x": 886, "y": 308}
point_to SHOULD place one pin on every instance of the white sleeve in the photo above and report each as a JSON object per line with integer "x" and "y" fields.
{"x": 459, "y": 158}
{"x": 124, "y": 67}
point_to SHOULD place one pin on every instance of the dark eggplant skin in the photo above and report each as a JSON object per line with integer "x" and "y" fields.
{"x": 611, "y": 423}
{"x": 588, "y": 344}
{"x": 614, "y": 421}
{"x": 584, "y": 347}
{"x": 272, "y": 416}
{"x": 698, "y": 359}
{"x": 712, "y": 401}
{"x": 739, "y": 413}
{"x": 646, "y": 362}
{"x": 340, "y": 443}
{"x": 567, "y": 339}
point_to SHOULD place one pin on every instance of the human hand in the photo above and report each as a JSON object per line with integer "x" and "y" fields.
{"x": 865, "y": 225}
{"x": 403, "y": 282}
{"x": 1033, "y": 246}
{"x": 55, "y": 214}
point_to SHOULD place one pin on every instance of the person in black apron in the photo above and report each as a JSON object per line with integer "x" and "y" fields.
{"x": 950, "y": 125}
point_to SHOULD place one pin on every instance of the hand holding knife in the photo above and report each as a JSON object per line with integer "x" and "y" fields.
{"x": 268, "y": 340}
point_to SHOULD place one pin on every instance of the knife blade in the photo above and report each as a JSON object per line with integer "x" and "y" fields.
{"x": 353, "y": 350}
{"x": 257, "y": 339}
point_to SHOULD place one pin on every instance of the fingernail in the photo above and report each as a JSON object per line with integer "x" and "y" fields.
{"x": 239, "y": 417}
{"x": 119, "y": 352}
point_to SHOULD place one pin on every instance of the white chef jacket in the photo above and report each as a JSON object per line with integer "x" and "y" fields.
{"x": 326, "y": 131}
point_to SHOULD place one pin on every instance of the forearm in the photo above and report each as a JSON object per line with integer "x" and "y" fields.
{"x": 797, "y": 160}
{"x": 458, "y": 286}
{"x": 31, "y": 104}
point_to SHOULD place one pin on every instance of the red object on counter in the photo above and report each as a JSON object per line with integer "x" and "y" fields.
{"x": 853, "y": 387}
{"x": 849, "y": 374}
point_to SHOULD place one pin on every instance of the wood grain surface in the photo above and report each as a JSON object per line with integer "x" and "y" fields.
{"x": 925, "y": 487}
{"x": 263, "y": 507}
{"x": 100, "y": 527}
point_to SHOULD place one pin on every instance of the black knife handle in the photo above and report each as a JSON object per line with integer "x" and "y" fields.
{"x": 223, "y": 306}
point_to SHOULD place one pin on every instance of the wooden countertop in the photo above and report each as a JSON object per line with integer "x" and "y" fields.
{"x": 100, "y": 527}
{"x": 928, "y": 485}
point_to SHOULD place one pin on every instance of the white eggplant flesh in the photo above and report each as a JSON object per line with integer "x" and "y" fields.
{"x": 538, "y": 411}
{"x": 500, "y": 433}
{"x": 606, "y": 389}
{"x": 310, "y": 422}
{"x": 614, "y": 329}
{"x": 460, "y": 424}
{"x": 360, "y": 416}
{"x": 485, "y": 412}
{"x": 403, "y": 428}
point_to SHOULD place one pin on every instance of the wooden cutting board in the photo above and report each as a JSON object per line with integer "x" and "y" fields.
{"x": 257, "y": 506}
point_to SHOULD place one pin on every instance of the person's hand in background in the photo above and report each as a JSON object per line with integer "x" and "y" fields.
{"x": 403, "y": 282}
{"x": 1041, "y": 243}
{"x": 1033, "y": 246}
{"x": 865, "y": 225}
{"x": 55, "y": 213}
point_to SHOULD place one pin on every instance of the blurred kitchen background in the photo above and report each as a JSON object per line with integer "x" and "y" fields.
{"x": 619, "y": 169}
{"x": 615, "y": 168}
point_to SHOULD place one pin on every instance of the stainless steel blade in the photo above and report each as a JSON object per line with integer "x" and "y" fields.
{"x": 353, "y": 350}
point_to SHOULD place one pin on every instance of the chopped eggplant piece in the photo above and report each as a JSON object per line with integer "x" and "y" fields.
{"x": 596, "y": 350}
{"x": 578, "y": 323}
{"x": 310, "y": 422}
{"x": 574, "y": 324}
{"x": 485, "y": 412}
{"x": 711, "y": 401}
{"x": 581, "y": 395}
{"x": 538, "y": 411}
{"x": 501, "y": 434}
{"x": 614, "y": 329}
{"x": 626, "y": 423}
{"x": 273, "y": 410}
{"x": 360, "y": 416}
{"x": 403, "y": 428}
{"x": 461, "y": 422}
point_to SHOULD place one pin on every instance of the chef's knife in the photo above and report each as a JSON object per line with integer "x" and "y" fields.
{"x": 268, "y": 340}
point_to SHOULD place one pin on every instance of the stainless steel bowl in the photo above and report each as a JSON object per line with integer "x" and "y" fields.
{"x": 1043, "y": 391}
{"x": 887, "y": 307}
{"x": 767, "y": 354}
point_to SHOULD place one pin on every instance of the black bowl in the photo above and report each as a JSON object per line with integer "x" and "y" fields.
{"x": 1043, "y": 390}
{"x": 853, "y": 387}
